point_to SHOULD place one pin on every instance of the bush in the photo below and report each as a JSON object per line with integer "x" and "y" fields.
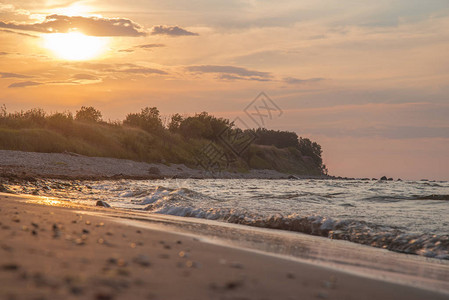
{"x": 148, "y": 119}
{"x": 88, "y": 114}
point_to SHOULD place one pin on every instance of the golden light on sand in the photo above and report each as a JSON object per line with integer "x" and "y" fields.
{"x": 75, "y": 45}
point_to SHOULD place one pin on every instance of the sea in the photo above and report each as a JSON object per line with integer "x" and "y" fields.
{"x": 403, "y": 216}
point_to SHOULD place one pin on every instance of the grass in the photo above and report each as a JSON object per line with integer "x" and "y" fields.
{"x": 59, "y": 132}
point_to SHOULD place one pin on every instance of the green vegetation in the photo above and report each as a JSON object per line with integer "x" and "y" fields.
{"x": 143, "y": 137}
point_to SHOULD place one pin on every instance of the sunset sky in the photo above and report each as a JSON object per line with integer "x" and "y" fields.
{"x": 368, "y": 80}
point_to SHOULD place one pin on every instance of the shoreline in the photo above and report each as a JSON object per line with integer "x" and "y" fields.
{"x": 119, "y": 254}
{"x": 71, "y": 166}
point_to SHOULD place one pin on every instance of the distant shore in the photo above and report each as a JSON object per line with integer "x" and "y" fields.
{"x": 74, "y": 166}
{"x": 76, "y": 252}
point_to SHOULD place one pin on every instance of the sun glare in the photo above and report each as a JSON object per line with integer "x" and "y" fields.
{"x": 75, "y": 45}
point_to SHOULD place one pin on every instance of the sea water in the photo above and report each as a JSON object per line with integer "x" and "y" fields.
{"x": 404, "y": 216}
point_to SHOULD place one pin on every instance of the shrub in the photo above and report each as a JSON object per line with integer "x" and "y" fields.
{"x": 88, "y": 114}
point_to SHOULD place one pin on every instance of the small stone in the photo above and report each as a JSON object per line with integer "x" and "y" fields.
{"x": 291, "y": 275}
{"x": 236, "y": 265}
{"x": 102, "y": 204}
{"x": 142, "y": 260}
{"x": 88, "y": 223}
{"x": 10, "y": 267}
{"x": 103, "y": 296}
{"x": 232, "y": 285}
{"x": 76, "y": 290}
{"x": 323, "y": 295}
{"x": 34, "y": 225}
{"x": 86, "y": 231}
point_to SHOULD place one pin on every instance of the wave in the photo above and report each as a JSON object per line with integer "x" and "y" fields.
{"x": 185, "y": 202}
{"x": 361, "y": 232}
{"x": 433, "y": 197}
{"x": 402, "y": 198}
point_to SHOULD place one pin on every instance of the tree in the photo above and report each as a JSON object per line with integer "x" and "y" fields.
{"x": 88, "y": 114}
{"x": 280, "y": 139}
{"x": 203, "y": 125}
{"x": 148, "y": 119}
{"x": 175, "y": 122}
{"x": 312, "y": 149}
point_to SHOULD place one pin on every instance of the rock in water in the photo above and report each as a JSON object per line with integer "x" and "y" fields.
{"x": 102, "y": 203}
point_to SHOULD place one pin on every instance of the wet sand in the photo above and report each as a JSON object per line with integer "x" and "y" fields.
{"x": 66, "y": 252}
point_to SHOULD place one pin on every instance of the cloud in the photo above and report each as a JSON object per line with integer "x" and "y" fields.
{"x": 85, "y": 77}
{"x": 171, "y": 31}
{"x": 117, "y": 68}
{"x": 150, "y": 46}
{"x": 145, "y": 47}
{"x": 234, "y": 77}
{"x": 24, "y": 84}
{"x": 292, "y": 80}
{"x": 19, "y": 33}
{"x": 231, "y": 72}
{"x": 142, "y": 70}
{"x": 13, "y": 75}
{"x": 93, "y": 26}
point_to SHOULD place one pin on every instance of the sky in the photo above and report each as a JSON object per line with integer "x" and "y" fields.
{"x": 368, "y": 80}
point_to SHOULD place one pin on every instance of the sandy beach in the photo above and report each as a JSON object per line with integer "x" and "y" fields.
{"x": 55, "y": 250}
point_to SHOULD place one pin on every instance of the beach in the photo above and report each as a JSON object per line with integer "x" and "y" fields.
{"x": 53, "y": 249}
{"x": 74, "y": 166}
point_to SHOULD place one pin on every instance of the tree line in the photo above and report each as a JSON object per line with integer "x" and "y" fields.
{"x": 199, "y": 126}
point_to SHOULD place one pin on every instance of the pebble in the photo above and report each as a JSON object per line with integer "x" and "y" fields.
{"x": 76, "y": 290}
{"x": 236, "y": 265}
{"x": 10, "y": 267}
{"x": 103, "y": 296}
{"x": 323, "y": 295}
{"x": 142, "y": 260}
{"x": 102, "y": 204}
{"x": 232, "y": 285}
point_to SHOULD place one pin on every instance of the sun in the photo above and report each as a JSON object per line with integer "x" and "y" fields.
{"x": 75, "y": 45}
